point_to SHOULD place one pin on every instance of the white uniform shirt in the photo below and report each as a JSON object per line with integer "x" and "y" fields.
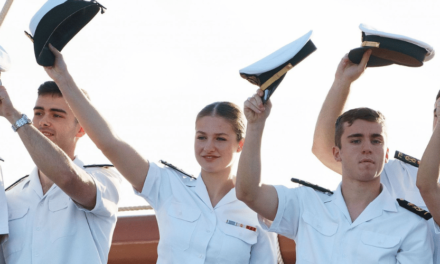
{"x": 52, "y": 228}
{"x": 400, "y": 178}
{"x": 3, "y": 207}
{"x": 324, "y": 233}
{"x": 192, "y": 231}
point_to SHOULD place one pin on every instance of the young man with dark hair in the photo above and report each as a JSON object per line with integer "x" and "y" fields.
{"x": 359, "y": 223}
{"x": 51, "y": 88}
{"x": 63, "y": 212}
{"x": 399, "y": 177}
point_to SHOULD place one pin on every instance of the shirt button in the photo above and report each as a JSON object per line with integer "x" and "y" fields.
{"x": 207, "y": 230}
{"x": 38, "y": 228}
{"x": 200, "y": 256}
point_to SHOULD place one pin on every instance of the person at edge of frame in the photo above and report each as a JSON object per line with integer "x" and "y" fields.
{"x": 428, "y": 176}
{"x": 4, "y": 230}
{"x": 399, "y": 177}
{"x": 360, "y": 222}
{"x": 62, "y": 212}
{"x": 200, "y": 220}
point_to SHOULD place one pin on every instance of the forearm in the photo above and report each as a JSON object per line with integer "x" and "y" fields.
{"x": 89, "y": 117}
{"x": 125, "y": 158}
{"x": 428, "y": 175}
{"x": 324, "y": 136}
{"x": 249, "y": 166}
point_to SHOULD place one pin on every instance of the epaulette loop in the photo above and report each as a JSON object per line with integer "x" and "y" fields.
{"x": 313, "y": 186}
{"x": 177, "y": 169}
{"x": 16, "y": 183}
{"x": 414, "y": 209}
{"x": 99, "y": 166}
{"x": 407, "y": 159}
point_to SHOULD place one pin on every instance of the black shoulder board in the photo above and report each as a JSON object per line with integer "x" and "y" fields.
{"x": 313, "y": 186}
{"x": 407, "y": 159}
{"x": 16, "y": 183}
{"x": 177, "y": 169}
{"x": 414, "y": 208}
{"x": 98, "y": 166}
{"x": 2, "y": 160}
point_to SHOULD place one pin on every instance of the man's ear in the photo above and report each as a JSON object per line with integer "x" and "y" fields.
{"x": 81, "y": 132}
{"x": 240, "y": 145}
{"x": 337, "y": 153}
{"x": 387, "y": 155}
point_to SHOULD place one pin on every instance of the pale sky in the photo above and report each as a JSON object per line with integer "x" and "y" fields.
{"x": 151, "y": 65}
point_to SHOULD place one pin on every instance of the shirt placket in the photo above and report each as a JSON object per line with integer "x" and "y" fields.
{"x": 205, "y": 232}
{"x": 39, "y": 234}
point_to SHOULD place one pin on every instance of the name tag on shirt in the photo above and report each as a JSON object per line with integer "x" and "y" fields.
{"x": 230, "y": 222}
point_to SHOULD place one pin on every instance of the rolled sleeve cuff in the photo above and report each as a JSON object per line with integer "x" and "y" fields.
{"x": 152, "y": 175}
{"x": 272, "y": 226}
{"x": 98, "y": 203}
{"x": 4, "y": 230}
{"x": 107, "y": 195}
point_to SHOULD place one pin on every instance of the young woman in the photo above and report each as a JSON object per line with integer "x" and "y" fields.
{"x": 200, "y": 220}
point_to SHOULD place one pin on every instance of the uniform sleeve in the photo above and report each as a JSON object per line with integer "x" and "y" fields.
{"x": 266, "y": 249}
{"x": 3, "y": 208}
{"x": 288, "y": 213}
{"x": 418, "y": 246}
{"x": 156, "y": 186}
{"x": 107, "y": 183}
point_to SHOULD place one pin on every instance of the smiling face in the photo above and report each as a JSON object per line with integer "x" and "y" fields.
{"x": 215, "y": 144}
{"x": 53, "y": 117}
{"x": 363, "y": 151}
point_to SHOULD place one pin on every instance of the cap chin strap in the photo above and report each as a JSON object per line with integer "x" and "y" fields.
{"x": 370, "y": 44}
{"x": 276, "y": 76}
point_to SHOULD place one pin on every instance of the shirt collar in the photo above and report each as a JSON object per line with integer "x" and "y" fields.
{"x": 202, "y": 193}
{"x": 383, "y": 202}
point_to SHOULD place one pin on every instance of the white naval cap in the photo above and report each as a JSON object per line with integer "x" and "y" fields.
{"x": 57, "y": 22}
{"x": 5, "y": 60}
{"x": 388, "y": 48}
{"x": 268, "y": 72}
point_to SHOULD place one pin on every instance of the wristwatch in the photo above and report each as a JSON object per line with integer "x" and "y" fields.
{"x": 21, "y": 122}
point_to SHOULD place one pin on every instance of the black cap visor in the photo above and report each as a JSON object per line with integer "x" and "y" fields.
{"x": 259, "y": 80}
{"x": 390, "y": 51}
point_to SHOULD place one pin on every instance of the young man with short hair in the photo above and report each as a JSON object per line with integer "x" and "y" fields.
{"x": 360, "y": 222}
{"x": 399, "y": 177}
{"x": 63, "y": 212}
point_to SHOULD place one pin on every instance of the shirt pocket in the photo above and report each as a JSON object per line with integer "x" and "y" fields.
{"x": 62, "y": 222}
{"x": 17, "y": 225}
{"x": 377, "y": 247}
{"x": 317, "y": 233}
{"x": 237, "y": 243}
{"x": 180, "y": 224}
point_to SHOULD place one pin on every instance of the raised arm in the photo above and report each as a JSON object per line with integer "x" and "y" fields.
{"x": 124, "y": 157}
{"x": 50, "y": 159}
{"x": 429, "y": 171}
{"x": 333, "y": 107}
{"x": 261, "y": 198}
